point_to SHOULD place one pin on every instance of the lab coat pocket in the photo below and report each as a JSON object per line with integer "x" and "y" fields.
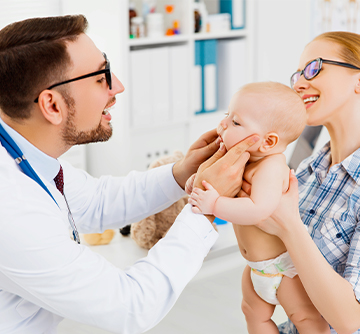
{"x": 334, "y": 241}
{"x": 27, "y": 309}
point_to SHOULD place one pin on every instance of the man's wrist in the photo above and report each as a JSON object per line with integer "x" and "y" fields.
{"x": 211, "y": 218}
{"x": 179, "y": 174}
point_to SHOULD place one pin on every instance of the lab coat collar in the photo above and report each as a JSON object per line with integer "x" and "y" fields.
{"x": 44, "y": 165}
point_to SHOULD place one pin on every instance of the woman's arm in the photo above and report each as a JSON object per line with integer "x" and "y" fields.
{"x": 331, "y": 294}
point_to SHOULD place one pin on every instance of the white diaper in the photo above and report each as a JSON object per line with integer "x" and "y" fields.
{"x": 266, "y": 276}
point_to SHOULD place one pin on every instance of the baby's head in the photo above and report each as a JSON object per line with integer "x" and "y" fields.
{"x": 270, "y": 109}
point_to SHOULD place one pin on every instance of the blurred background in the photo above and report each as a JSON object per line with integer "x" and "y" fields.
{"x": 181, "y": 60}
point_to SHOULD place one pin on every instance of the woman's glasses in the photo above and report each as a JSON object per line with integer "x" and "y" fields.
{"x": 106, "y": 70}
{"x": 312, "y": 69}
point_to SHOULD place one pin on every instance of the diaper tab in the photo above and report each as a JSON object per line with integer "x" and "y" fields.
{"x": 261, "y": 273}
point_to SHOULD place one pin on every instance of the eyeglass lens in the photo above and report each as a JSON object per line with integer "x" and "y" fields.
{"x": 310, "y": 71}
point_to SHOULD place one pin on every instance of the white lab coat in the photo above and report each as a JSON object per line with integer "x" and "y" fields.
{"x": 45, "y": 276}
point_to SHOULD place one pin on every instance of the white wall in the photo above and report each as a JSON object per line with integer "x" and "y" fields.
{"x": 281, "y": 31}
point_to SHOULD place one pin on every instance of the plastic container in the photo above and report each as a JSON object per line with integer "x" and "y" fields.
{"x": 155, "y": 25}
{"x": 137, "y": 29}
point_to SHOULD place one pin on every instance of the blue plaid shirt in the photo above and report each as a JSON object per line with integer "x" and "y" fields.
{"x": 329, "y": 205}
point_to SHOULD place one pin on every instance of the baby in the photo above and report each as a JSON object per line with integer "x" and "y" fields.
{"x": 278, "y": 115}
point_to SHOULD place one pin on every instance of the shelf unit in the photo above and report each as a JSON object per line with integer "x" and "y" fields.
{"x": 134, "y": 147}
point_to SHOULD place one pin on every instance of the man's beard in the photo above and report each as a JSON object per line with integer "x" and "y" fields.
{"x": 72, "y": 136}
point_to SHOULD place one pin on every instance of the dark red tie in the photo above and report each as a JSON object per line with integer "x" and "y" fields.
{"x": 59, "y": 181}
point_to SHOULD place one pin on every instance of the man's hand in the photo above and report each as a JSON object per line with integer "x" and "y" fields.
{"x": 198, "y": 152}
{"x": 225, "y": 171}
{"x": 189, "y": 184}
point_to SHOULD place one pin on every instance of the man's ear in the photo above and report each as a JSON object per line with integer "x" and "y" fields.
{"x": 270, "y": 140}
{"x": 51, "y": 105}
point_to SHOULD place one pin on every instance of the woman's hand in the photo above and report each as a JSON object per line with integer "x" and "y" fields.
{"x": 287, "y": 212}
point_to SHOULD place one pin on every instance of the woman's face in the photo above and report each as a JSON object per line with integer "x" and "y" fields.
{"x": 333, "y": 87}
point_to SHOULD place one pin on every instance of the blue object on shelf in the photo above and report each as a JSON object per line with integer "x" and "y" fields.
{"x": 236, "y": 8}
{"x": 206, "y": 56}
{"x": 219, "y": 221}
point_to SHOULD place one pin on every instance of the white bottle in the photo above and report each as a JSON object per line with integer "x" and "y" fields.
{"x": 155, "y": 25}
{"x": 137, "y": 27}
{"x": 204, "y": 16}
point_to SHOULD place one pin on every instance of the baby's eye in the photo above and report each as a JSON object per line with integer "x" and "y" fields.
{"x": 226, "y": 114}
{"x": 235, "y": 123}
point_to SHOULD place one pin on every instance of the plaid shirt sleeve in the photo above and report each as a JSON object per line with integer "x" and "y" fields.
{"x": 352, "y": 269}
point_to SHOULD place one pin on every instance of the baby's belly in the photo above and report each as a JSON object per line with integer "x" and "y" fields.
{"x": 256, "y": 245}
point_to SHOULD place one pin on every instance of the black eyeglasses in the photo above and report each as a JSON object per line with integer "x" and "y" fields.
{"x": 312, "y": 69}
{"x": 106, "y": 70}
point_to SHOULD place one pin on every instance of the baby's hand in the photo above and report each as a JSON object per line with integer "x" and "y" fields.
{"x": 204, "y": 201}
{"x": 189, "y": 184}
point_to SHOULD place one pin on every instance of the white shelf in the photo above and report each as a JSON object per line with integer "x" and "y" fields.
{"x": 222, "y": 34}
{"x": 146, "y": 41}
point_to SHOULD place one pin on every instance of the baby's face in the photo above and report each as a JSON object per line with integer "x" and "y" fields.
{"x": 241, "y": 121}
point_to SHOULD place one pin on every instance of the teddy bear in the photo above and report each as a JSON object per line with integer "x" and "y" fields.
{"x": 147, "y": 232}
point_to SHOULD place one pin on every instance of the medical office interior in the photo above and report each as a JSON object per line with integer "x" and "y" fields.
{"x": 180, "y": 62}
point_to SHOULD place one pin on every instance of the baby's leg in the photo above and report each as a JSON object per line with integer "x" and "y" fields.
{"x": 257, "y": 311}
{"x": 299, "y": 308}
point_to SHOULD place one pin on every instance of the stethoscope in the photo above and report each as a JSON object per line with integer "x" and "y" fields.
{"x": 13, "y": 149}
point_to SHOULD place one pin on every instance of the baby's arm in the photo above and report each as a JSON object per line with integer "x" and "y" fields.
{"x": 266, "y": 190}
{"x": 204, "y": 201}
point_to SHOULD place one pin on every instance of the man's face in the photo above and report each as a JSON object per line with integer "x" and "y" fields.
{"x": 88, "y": 100}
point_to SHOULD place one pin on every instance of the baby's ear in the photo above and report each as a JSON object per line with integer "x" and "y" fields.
{"x": 270, "y": 140}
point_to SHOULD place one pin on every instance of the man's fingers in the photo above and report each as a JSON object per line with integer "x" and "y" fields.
{"x": 216, "y": 156}
{"x": 205, "y": 139}
{"x": 242, "y": 160}
{"x": 236, "y": 152}
{"x": 207, "y": 185}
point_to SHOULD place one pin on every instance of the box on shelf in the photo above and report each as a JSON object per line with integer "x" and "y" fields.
{"x": 205, "y": 74}
{"x": 236, "y": 9}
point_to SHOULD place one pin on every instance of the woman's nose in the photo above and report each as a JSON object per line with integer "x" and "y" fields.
{"x": 301, "y": 84}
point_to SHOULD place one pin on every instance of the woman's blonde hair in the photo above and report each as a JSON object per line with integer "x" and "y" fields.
{"x": 349, "y": 43}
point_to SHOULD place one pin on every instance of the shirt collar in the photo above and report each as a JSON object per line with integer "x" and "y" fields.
{"x": 321, "y": 161}
{"x": 42, "y": 163}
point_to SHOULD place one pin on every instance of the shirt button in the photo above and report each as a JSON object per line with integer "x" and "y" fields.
{"x": 312, "y": 211}
{"x": 338, "y": 235}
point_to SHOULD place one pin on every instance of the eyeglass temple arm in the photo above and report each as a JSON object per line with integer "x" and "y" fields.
{"x": 340, "y": 63}
{"x": 75, "y": 79}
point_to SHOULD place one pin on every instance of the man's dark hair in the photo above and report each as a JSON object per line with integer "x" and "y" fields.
{"x": 33, "y": 56}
